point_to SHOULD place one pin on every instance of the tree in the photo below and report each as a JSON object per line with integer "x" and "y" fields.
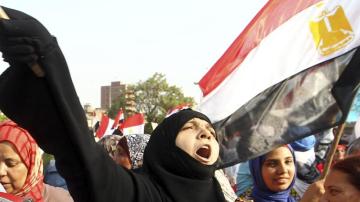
{"x": 154, "y": 97}
{"x": 116, "y": 105}
{"x": 2, "y": 117}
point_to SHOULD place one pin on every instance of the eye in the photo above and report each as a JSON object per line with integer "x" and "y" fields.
{"x": 334, "y": 191}
{"x": 211, "y": 130}
{"x": 188, "y": 126}
{"x": 271, "y": 164}
{"x": 212, "y": 133}
{"x": 289, "y": 161}
{"x": 11, "y": 162}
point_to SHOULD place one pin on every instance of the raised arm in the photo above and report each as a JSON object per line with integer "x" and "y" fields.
{"x": 48, "y": 107}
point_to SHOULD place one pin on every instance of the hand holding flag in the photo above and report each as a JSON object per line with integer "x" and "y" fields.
{"x": 35, "y": 67}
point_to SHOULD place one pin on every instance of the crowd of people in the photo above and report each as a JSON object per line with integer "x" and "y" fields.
{"x": 178, "y": 161}
{"x": 272, "y": 175}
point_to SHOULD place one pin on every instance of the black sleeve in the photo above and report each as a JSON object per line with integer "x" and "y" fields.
{"x": 50, "y": 110}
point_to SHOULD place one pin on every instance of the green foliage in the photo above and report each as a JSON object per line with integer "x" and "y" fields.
{"x": 46, "y": 158}
{"x": 154, "y": 97}
{"x": 2, "y": 117}
{"x": 148, "y": 128}
{"x": 119, "y": 103}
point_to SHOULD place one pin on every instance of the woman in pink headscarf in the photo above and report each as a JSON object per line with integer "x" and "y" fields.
{"x": 21, "y": 168}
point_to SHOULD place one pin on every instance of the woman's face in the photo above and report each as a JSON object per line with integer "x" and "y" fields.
{"x": 13, "y": 171}
{"x": 338, "y": 188}
{"x": 339, "y": 153}
{"x": 278, "y": 169}
{"x": 198, "y": 139}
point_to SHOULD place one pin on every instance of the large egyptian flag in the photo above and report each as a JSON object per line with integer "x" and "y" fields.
{"x": 292, "y": 72}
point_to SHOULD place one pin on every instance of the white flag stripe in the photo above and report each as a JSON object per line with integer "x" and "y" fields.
{"x": 139, "y": 129}
{"x": 109, "y": 131}
{"x": 286, "y": 51}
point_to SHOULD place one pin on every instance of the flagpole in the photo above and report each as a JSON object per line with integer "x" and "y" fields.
{"x": 330, "y": 156}
{"x": 38, "y": 71}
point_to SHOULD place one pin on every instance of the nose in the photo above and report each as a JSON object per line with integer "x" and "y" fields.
{"x": 282, "y": 168}
{"x": 2, "y": 170}
{"x": 325, "y": 197}
{"x": 205, "y": 134}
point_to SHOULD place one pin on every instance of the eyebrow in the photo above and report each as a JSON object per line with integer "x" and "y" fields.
{"x": 196, "y": 123}
{"x": 333, "y": 187}
{"x": 12, "y": 159}
{"x": 208, "y": 126}
{"x": 266, "y": 160}
{"x": 276, "y": 159}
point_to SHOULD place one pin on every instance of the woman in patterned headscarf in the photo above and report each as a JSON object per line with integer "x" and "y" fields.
{"x": 126, "y": 150}
{"x": 21, "y": 168}
{"x": 137, "y": 144}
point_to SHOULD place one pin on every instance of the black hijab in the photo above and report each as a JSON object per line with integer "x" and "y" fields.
{"x": 182, "y": 177}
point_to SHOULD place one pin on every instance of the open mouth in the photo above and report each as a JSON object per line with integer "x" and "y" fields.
{"x": 5, "y": 185}
{"x": 204, "y": 151}
{"x": 281, "y": 180}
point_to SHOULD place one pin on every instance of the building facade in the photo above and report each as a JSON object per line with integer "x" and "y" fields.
{"x": 112, "y": 93}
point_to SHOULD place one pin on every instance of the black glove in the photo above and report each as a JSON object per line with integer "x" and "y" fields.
{"x": 23, "y": 39}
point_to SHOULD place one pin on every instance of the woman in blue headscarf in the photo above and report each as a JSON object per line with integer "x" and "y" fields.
{"x": 274, "y": 175}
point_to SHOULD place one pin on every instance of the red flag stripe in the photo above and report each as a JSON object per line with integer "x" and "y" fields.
{"x": 118, "y": 117}
{"x": 176, "y": 109}
{"x": 103, "y": 126}
{"x": 135, "y": 120}
{"x": 267, "y": 20}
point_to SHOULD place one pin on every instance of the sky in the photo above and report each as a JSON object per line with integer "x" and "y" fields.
{"x": 129, "y": 41}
